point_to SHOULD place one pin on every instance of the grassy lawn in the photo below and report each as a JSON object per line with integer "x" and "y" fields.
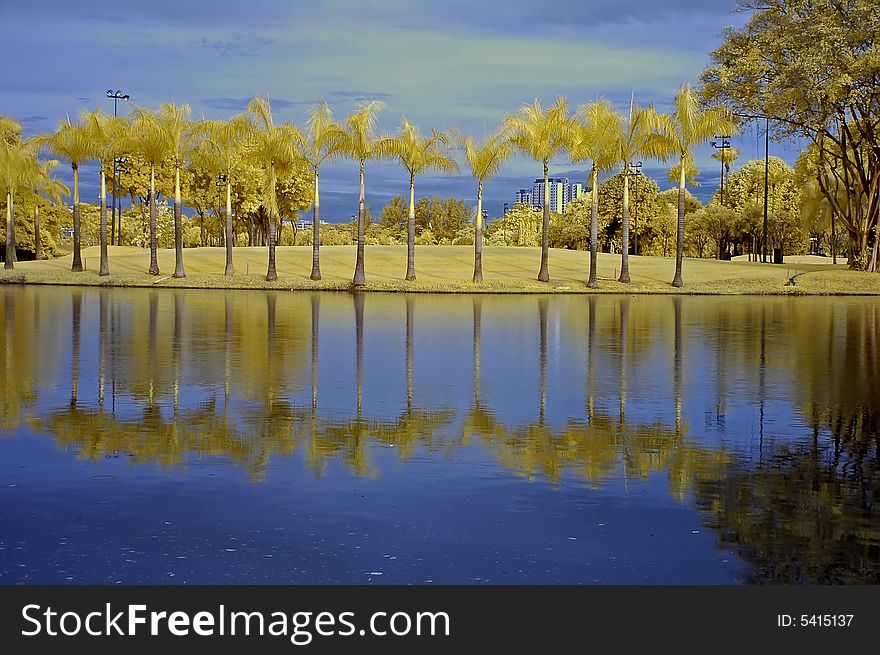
{"x": 449, "y": 269}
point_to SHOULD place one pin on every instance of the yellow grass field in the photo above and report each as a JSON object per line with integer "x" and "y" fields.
{"x": 448, "y": 269}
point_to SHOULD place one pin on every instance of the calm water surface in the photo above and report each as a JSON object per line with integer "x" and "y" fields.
{"x": 248, "y": 437}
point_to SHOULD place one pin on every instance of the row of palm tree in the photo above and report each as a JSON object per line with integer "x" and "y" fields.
{"x": 595, "y": 133}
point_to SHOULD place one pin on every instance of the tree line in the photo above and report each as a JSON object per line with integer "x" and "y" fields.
{"x": 275, "y": 159}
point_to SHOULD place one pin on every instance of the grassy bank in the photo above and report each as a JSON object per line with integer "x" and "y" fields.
{"x": 449, "y": 269}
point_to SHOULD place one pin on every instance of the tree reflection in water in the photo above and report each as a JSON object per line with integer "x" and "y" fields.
{"x": 234, "y": 376}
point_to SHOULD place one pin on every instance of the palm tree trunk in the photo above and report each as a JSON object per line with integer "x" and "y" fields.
{"x": 478, "y": 236}
{"x": 359, "y": 348}
{"x": 76, "y": 324}
{"x": 178, "y": 228}
{"x": 594, "y": 230}
{"x": 77, "y": 254}
{"x": 411, "y": 232}
{"x": 154, "y": 259}
{"x": 271, "y": 273}
{"x": 679, "y": 231}
{"x": 105, "y": 264}
{"x": 409, "y": 354}
{"x": 38, "y": 246}
{"x": 9, "y": 259}
{"x": 230, "y": 268}
{"x": 624, "y": 251}
{"x": 360, "y": 277}
{"x": 544, "y": 272}
{"x": 316, "y": 233}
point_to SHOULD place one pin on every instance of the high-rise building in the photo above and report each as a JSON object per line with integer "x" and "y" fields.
{"x": 524, "y": 196}
{"x": 561, "y": 192}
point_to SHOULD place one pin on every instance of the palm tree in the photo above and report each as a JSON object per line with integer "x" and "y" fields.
{"x": 324, "y": 139}
{"x": 74, "y": 143}
{"x": 272, "y": 148}
{"x": 541, "y": 135}
{"x": 676, "y": 135}
{"x": 484, "y": 160}
{"x": 18, "y": 169}
{"x": 45, "y": 185}
{"x": 173, "y": 121}
{"x": 417, "y": 155}
{"x": 360, "y": 144}
{"x": 225, "y": 139}
{"x": 11, "y": 165}
{"x": 102, "y": 133}
{"x": 633, "y": 142}
{"x": 596, "y": 139}
{"x": 149, "y": 139}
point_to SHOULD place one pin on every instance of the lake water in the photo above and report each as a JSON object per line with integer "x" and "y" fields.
{"x": 160, "y": 436}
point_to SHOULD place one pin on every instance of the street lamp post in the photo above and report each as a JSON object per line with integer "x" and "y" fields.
{"x": 222, "y": 181}
{"x": 635, "y": 170}
{"x": 117, "y": 176}
{"x": 116, "y": 236}
{"x": 722, "y": 144}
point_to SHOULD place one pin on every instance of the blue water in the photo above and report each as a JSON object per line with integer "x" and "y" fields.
{"x": 216, "y": 437}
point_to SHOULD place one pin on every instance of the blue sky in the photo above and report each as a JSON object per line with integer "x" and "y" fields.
{"x": 440, "y": 63}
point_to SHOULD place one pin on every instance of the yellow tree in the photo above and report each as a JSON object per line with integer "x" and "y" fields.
{"x": 147, "y": 138}
{"x": 74, "y": 143}
{"x": 173, "y": 121}
{"x": 103, "y": 132}
{"x": 541, "y": 135}
{"x": 224, "y": 139}
{"x": 360, "y": 144}
{"x": 324, "y": 139}
{"x": 595, "y": 138}
{"x": 12, "y": 164}
{"x": 485, "y": 160}
{"x": 272, "y": 148}
{"x": 675, "y": 136}
{"x": 417, "y": 154}
{"x": 45, "y": 186}
{"x": 633, "y": 142}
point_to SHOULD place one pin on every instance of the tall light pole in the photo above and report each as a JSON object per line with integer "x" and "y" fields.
{"x": 635, "y": 170}
{"x": 116, "y": 236}
{"x": 766, "y": 120}
{"x": 723, "y": 144}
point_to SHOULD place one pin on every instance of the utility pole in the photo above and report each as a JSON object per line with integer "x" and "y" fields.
{"x": 116, "y": 235}
{"x": 723, "y": 144}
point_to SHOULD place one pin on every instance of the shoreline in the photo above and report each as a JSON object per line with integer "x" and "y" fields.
{"x": 448, "y": 270}
{"x": 244, "y": 282}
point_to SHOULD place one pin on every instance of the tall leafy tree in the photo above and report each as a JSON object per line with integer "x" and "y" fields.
{"x": 417, "y": 154}
{"x": 811, "y": 69}
{"x": 324, "y": 139}
{"x": 675, "y": 136}
{"x": 272, "y": 148}
{"x": 360, "y": 144}
{"x": 73, "y": 142}
{"x": 595, "y": 139}
{"x": 484, "y": 160}
{"x": 541, "y": 135}
{"x": 173, "y": 122}
{"x": 225, "y": 139}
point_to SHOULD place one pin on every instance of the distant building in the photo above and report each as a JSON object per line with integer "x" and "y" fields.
{"x": 524, "y": 196}
{"x": 561, "y": 192}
